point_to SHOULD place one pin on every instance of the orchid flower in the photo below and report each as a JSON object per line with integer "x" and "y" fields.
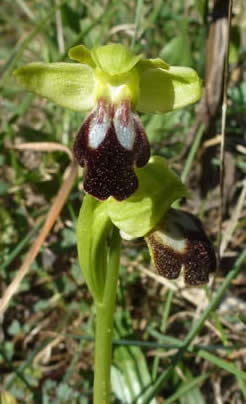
{"x": 179, "y": 243}
{"x": 127, "y": 191}
{"x": 112, "y": 83}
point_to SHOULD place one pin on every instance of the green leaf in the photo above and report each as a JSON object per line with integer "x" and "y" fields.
{"x": 177, "y": 51}
{"x": 158, "y": 188}
{"x": 166, "y": 90}
{"x": 70, "y": 85}
{"x": 130, "y": 376}
{"x": 188, "y": 391}
{"x": 93, "y": 228}
{"x": 192, "y": 394}
{"x": 221, "y": 363}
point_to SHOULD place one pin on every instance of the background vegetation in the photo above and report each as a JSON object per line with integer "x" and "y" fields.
{"x": 46, "y": 348}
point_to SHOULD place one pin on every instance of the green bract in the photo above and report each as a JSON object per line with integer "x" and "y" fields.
{"x": 158, "y": 188}
{"x": 114, "y": 72}
{"x": 92, "y": 230}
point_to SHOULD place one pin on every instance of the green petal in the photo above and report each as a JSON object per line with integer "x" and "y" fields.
{"x": 165, "y": 90}
{"x": 82, "y": 55}
{"x": 158, "y": 188}
{"x": 70, "y": 85}
{"x": 152, "y": 64}
{"x": 114, "y": 58}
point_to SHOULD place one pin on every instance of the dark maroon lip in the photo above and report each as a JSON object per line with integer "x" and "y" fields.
{"x": 109, "y": 167}
{"x": 197, "y": 258}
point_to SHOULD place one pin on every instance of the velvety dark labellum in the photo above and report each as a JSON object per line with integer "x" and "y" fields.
{"x": 180, "y": 242}
{"x": 166, "y": 261}
{"x": 110, "y": 143}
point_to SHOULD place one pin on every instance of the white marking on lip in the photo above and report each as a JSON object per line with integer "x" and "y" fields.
{"x": 99, "y": 125}
{"x": 125, "y": 131}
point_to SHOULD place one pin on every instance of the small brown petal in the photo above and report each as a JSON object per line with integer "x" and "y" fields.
{"x": 179, "y": 242}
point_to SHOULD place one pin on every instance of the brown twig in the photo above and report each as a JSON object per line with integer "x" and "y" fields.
{"x": 44, "y": 146}
{"x": 223, "y": 126}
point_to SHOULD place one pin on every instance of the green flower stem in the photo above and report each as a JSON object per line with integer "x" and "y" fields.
{"x": 104, "y": 325}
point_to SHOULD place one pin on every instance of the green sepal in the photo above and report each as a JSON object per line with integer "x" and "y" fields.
{"x": 70, "y": 85}
{"x": 163, "y": 90}
{"x": 114, "y": 58}
{"x": 158, "y": 188}
{"x": 93, "y": 228}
